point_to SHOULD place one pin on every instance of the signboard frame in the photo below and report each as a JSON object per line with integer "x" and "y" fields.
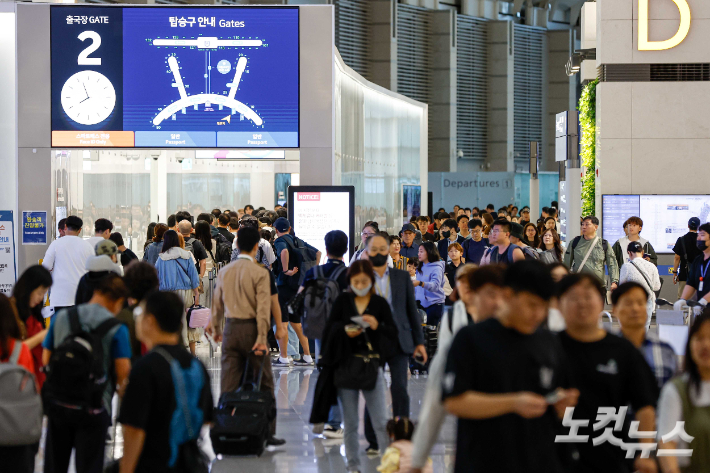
{"x": 32, "y": 238}
{"x": 292, "y": 190}
{"x": 8, "y": 216}
{"x": 120, "y": 143}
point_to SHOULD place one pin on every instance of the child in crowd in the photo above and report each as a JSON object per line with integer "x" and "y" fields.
{"x": 398, "y": 456}
{"x": 412, "y": 265}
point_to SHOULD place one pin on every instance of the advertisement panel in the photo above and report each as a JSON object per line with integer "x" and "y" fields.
{"x": 411, "y": 202}
{"x": 151, "y": 77}
{"x": 315, "y": 210}
{"x": 665, "y": 217}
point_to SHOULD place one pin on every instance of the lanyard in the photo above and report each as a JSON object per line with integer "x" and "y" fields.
{"x": 386, "y": 295}
{"x": 703, "y": 271}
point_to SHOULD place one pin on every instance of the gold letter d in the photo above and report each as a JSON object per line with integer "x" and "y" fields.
{"x": 646, "y": 45}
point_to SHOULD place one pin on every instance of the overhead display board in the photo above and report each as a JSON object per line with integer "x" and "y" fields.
{"x": 154, "y": 77}
{"x": 665, "y": 217}
{"x": 315, "y": 210}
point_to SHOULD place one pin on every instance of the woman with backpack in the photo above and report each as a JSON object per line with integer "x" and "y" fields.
{"x": 27, "y": 299}
{"x": 151, "y": 252}
{"x": 14, "y": 458}
{"x": 177, "y": 273}
{"x": 429, "y": 285}
{"x": 354, "y": 357}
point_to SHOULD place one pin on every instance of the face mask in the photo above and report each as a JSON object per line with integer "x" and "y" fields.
{"x": 702, "y": 245}
{"x": 446, "y": 234}
{"x": 378, "y": 260}
{"x": 362, "y": 292}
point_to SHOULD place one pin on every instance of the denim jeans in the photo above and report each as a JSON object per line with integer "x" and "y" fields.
{"x": 433, "y": 314}
{"x": 399, "y": 368}
{"x": 293, "y": 343}
{"x": 376, "y": 404}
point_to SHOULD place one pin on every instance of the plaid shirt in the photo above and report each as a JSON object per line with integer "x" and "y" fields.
{"x": 660, "y": 357}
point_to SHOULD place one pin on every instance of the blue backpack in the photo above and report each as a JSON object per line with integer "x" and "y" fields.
{"x": 187, "y": 420}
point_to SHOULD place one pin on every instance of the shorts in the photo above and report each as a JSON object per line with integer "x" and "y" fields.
{"x": 285, "y": 295}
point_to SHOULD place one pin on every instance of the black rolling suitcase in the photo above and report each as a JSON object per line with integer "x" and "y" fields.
{"x": 242, "y": 418}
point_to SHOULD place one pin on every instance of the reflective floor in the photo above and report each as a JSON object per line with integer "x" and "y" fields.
{"x": 303, "y": 451}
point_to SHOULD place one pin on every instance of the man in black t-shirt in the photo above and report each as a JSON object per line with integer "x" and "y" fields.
{"x": 686, "y": 251}
{"x": 502, "y": 375}
{"x": 698, "y": 283}
{"x": 609, "y": 372}
{"x": 149, "y": 402}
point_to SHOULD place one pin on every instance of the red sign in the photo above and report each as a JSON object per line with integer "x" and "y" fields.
{"x": 311, "y": 196}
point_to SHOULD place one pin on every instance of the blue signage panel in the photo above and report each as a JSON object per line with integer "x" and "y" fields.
{"x": 34, "y": 227}
{"x": 8, "y": 270}
{"x": 139, "y": 76}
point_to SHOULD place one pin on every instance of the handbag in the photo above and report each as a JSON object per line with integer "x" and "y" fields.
{"x": 650, "y": 288}
{"x": 359, "y": 371}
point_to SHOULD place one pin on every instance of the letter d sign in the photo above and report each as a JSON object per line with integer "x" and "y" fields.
{"x": 646, "y": 45}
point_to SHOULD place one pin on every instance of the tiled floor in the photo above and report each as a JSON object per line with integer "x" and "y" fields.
{"x": 303, "y": 451}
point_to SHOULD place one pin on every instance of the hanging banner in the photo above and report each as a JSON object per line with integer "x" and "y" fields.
{"x": 34, "y": 227}
{"x": 8, "y": 270}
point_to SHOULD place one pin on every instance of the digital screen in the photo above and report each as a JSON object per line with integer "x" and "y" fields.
{"x": 315, "y": 211}
{"x": 412, "y": 202}
{"x": 150, "y": 77}
{"x": 665, "y": 217}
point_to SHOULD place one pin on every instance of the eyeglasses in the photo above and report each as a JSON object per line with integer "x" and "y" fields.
{"x": 367, "y": 234}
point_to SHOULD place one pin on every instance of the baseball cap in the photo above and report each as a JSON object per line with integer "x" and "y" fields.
{"x": 635, "y": 247}
{"x": 694, "y": 223}
{"x": 516, "y": 230}
{"x": 408, "y": 227}
{"x": 106, "y": 247}
{"x": 282, "y": 224}
{"x": 74, "y": 222}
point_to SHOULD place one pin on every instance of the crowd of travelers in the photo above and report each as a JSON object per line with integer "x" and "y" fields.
{"x": 505, "y": 319}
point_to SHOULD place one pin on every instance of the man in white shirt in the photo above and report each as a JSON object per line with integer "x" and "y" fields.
{"x": 102, "y": 231}
{"x": 643, "y": 272}
{"x": 66, "y": 258}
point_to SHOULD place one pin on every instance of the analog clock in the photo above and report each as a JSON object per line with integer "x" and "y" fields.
{"x": 88, "y": 97}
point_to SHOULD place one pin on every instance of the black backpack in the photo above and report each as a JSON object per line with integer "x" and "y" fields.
{"x": 76, "y": 378}
{"x": 223, "y": 252}
{"x": 320, "y": 294}
{"x": 300, "y": 256}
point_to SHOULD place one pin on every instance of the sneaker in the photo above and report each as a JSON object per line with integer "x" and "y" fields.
{"x": 274, "y": 442}
{"x": 372, "y": 452}
{"x": 305, "y": 361}
{"x": 281, "y": 363}
{"x": 331, "y": 432}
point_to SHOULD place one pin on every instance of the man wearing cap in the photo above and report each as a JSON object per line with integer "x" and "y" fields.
{"x": 98, "y": 267}
{"x": 288, "y": 279}
{"x": 686, "y": 251}
{"x": 66, "y": 258}
{"x": 643, "y": 272}
{"x": 409, "y": 250}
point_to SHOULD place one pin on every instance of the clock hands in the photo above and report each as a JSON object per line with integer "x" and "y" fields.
{"x": 87, "y": 93}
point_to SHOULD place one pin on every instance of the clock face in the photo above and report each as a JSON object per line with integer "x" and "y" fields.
{"x": 88, "y": 97}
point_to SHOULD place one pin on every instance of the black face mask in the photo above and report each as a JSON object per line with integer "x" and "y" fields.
{"x": 702, "y": 245}
{"x": 446, "y": 234}
{"x": 378, "y": 260}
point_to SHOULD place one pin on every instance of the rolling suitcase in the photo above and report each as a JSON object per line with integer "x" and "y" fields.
{"x": 242, "y": 418}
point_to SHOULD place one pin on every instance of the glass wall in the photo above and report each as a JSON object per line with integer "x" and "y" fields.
{"x": 380, "y": 144}
{"x": 134, "y": 188}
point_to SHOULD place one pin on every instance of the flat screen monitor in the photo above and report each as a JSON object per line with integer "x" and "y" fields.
{"x": 411, "y": 202}
{"x": 315, "y": 210}
{"x": 665, "y": 217}
{"x": 174, "y": 77}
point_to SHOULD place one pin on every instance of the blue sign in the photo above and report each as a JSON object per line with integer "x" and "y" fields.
{"x": 158, "y": 77}
{"x": 34, "y": 227}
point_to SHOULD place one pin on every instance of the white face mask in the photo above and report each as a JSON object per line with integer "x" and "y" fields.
{"x": 362, "y": 292}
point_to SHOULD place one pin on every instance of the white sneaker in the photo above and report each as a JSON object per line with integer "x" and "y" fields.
{"x": 305, "y": 361}
{"x": 330, "y": 432}
{"x": 281, "y": 363}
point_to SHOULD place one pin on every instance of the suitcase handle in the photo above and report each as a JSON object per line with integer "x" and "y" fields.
{"x": 257, "y": 386}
